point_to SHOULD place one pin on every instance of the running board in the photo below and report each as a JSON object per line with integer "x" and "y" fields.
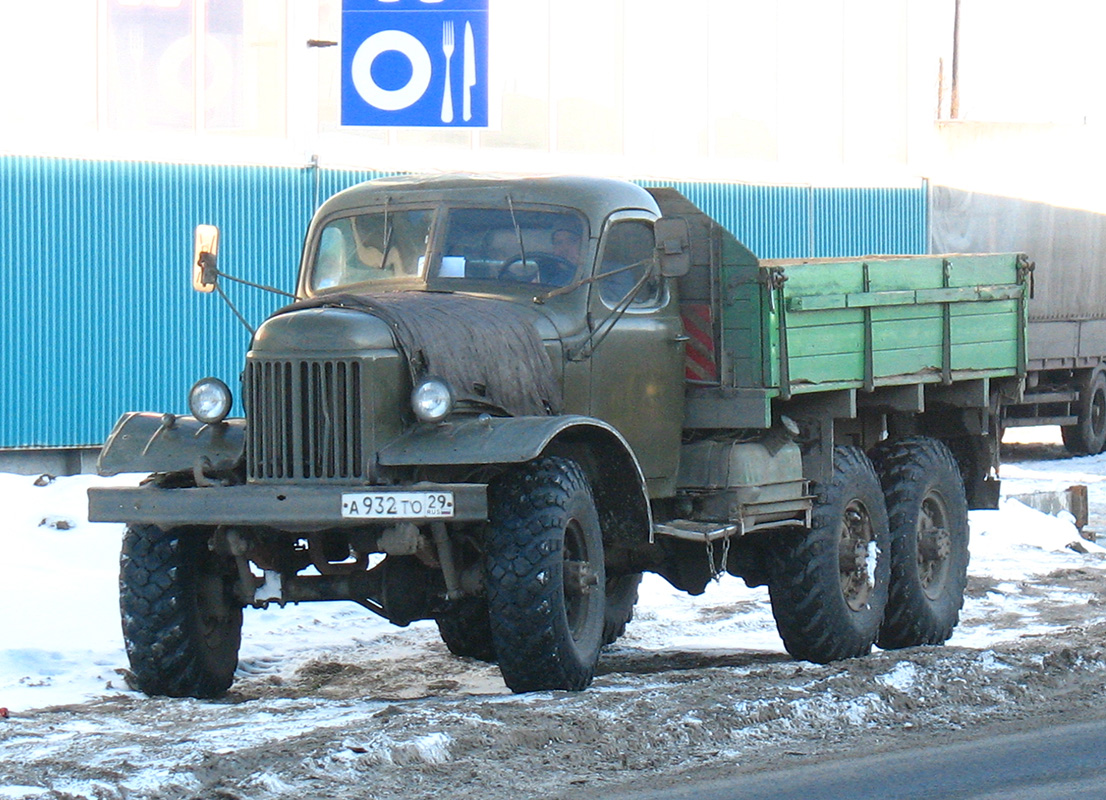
{"x": 762, "y": 516}
{"x": 696, "y": 531}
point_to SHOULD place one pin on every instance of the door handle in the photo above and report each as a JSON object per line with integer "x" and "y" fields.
{"x": 680, "y": 338}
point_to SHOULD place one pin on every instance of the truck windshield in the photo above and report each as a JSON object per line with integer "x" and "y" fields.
{"x": 527, "y": 246}
{"x": 371, "y": 247}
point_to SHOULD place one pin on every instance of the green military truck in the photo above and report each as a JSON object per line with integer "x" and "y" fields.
{"x": 495, "y": 403}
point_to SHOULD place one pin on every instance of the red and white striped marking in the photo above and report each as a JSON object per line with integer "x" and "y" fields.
{"x": 701, "y": 364}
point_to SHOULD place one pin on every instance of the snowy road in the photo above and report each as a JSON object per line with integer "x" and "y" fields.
{"x": 331, "y": 701}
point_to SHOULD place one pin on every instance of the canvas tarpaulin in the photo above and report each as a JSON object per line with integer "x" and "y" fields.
{"x": 1067, "y": 245}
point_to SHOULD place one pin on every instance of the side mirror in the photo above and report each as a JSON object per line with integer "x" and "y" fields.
{"x": 204, "y": 258}
{"x": 673, "y": 238}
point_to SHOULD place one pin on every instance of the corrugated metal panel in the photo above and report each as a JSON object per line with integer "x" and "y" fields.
{"x": 96, "y": 256}
{"x": 813, "y": 222}
{"x": 857, "y": 222}
{"x": 772, "y": 221}
{"x": 100, "y": 251}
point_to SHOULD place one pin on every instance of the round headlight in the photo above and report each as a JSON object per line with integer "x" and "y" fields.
{"x": 210, "y": 400}
{"x": 432, "y": 400}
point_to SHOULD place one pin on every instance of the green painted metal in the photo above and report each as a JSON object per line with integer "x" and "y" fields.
{"x": 863, "y": 323}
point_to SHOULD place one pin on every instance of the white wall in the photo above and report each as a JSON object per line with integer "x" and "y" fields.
{"x": 759, "y": 90}
{"x": 1032, "y": 117}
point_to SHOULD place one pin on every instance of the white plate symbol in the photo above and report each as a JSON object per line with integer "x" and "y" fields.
{"x": 391, "y": 99}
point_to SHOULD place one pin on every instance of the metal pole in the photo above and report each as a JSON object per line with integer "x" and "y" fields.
{"x": 954, "y": 101}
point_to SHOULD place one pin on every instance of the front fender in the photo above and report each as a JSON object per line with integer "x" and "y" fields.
{"x": 618, "y": 482}
{"x": 142, "y": 441}
{"x": 485, "y": 440}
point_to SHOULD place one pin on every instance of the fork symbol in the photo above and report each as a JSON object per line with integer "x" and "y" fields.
{"x": 447, "y": 48}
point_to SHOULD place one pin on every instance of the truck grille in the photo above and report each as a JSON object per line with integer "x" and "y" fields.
{"x": 304, "y": 420}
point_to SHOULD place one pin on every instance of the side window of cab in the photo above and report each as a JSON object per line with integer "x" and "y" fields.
{"x": 627, "y": 254}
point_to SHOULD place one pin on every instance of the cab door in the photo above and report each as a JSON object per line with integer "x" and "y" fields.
{"x": 637, "y": 365}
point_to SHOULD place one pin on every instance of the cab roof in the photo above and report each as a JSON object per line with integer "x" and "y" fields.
{"x": 595, "y": 197}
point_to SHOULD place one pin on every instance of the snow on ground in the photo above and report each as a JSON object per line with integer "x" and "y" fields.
{"x": 61, "y": 644}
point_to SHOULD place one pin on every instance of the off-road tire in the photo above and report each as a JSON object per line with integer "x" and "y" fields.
{"x": 622, "y": 595}
{"x": 466, "y": 629}
{"x": 829, "y": 585}
{"x": 1088, "y": 436}
{"x": 928, "y": 514}
{"x": 545, "y": 576}
{"x": 181, "y": 624}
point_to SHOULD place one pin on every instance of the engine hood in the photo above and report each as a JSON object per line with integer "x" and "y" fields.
{"x": 322, "y": 330}
{"x": 491, "y": 352}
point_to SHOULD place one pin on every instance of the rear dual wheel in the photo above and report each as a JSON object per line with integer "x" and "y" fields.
{"x": 831, "y": 600}
{"x": 1088, "y": 435}
{"x": 829, "y": 584}
{"x": 928, "y": 514}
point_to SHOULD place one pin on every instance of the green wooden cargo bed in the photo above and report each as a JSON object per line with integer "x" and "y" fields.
{"x": 781, "y": 329}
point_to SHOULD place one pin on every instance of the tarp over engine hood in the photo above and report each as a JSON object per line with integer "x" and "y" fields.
{"x": 489, "y": 351}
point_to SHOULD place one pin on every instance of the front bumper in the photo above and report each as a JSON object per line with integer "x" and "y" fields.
{"x": 284, "y": 507}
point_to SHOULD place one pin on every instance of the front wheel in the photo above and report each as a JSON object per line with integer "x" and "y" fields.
{"x": 622, "y": 595}
{"x": 466, "y": 629}
{"x": 928, "y": 513}
{"x": 182, "y": 625}
{"x": 829, "y": 584}
{"x": 545, "y": 576}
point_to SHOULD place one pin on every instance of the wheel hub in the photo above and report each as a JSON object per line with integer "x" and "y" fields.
{"x": 855, "y": 559}
{"x": 934, "y": 543}
{"x": 579, "y": 578}
{"x": 1098, "y": 413}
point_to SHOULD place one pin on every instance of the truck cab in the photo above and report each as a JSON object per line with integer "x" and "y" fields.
{"x": 575, "y": 256}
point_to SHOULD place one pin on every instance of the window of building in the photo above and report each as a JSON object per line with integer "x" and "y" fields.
{"x": 195, "y": 65}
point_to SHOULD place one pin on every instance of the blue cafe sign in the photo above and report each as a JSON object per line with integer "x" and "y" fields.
{"x": 415, "y": 62}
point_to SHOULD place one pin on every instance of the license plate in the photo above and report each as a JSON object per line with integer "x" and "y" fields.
{"x": 398, "y": 505}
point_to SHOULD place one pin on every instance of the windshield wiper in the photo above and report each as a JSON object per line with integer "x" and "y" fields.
{"x": 518, "y": 231}
{"x": 387, "y": 244}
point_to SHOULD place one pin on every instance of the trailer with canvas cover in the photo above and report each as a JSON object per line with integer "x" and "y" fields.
{"x": 1066, "y": 367}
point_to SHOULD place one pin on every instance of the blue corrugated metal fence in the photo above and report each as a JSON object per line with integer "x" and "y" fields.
{"x": 102, "y": 318}
{"x": 816, "y": 222}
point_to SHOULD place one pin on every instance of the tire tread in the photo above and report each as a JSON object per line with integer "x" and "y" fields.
{"x": 811, "y": 615}
{"x": 166, "y": 652}
{"x": 911, "y": 618}
{"x": 523, "y": 570}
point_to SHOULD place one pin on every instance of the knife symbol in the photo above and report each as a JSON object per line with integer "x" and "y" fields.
{"x": 469, "y": 73}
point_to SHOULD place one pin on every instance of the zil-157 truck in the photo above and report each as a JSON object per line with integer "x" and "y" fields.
{"x": 495, "y": 403}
